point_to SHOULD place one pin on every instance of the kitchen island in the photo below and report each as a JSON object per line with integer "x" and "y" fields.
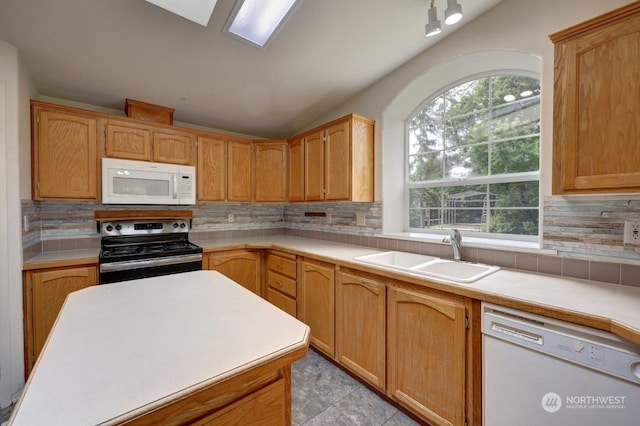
{"x": 176, "y": 349}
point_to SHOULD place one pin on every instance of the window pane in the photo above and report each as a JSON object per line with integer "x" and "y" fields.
{"x": 515, "y": 194}
{"x": 424, "y": 167}
{"x": 425, "y": 138}
{"x": 516, "y": 118}
{"x": 508, "y": 88}
{"x": 424, "y": 207}
{"x": 515, "y": 222}
{"x": 465, "y": 207}
{"x": 514, "y": 156}
{"x": 467, "y": 97}
{"x": 467, "y": 130}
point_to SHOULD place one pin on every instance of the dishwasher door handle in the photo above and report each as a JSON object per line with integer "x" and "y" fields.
{"x": 517, "y": 333}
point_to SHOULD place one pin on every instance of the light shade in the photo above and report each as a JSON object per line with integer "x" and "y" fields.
{"x": 453, "y": 14}
{"x": 256, "y": 21}
{"x": 198, "y": 11}
{"x": 433, "y": 26}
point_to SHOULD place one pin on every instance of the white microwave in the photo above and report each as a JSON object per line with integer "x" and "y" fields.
{"x": 142, "y": 182}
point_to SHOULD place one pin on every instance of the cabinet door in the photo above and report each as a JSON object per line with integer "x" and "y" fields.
{"x": 338, "y": 162}
{"x": 240, "y": 171}
{"x": 47, "y": 290}
{"x": 314, "y": 166}
{"x": 271, "y": 171}
{"x": 296, "y": 170}
{"x": 426, "y": 354}
{"x": 360, "y": 327}
{"x": 127, "y": 142}
{"x": 316, "y": 302}
{"x": 173, "y": 147}
{"x": 242, "y": 266}
{"x": 596, "y": 103}
{"x": 65, "y": 155}
{"x": 212, "y": 169}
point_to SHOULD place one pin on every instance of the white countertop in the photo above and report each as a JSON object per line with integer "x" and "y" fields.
{"x": 122, "y": 348}
{"x": 583, "y": 297}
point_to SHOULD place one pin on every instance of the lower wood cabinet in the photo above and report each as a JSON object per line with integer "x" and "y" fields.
{"x": 361, "y": 326}
{"x": 316, "y": 303}
{"x": 242, "y": 266}
{"x": 44, "y": 292}
{"x": 281, "y": 279}
{"x": 426, "y": 352}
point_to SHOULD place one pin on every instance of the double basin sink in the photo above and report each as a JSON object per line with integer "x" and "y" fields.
{"x": 462, "y": 272}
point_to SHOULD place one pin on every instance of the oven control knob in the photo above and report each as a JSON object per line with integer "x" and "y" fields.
{"x": 109, "y": 228}
{"x": 118, "y": 227}
{"x": 175, "y": 225}
{"x": 182, "y": 225}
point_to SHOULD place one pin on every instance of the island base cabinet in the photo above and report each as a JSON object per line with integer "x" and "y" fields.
{"x": 360, "y": 326}
{"x": 426, "y": 354}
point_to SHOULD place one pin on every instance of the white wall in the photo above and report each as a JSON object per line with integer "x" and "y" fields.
{"x": 513, "y": 25}
{"x": 15, "y": 90}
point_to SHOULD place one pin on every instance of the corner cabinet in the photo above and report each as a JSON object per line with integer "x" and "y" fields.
{"x": 338, "y": 163}
{"x": 596, "y": 125}
{"x": 426, "y": 349}
{"x": 270, "y": 171}
{"x": 242, "y": 266}
{"x": 64, "y": 153}
{"x": 316, "y": 303}
{"x": 44, "y": 292}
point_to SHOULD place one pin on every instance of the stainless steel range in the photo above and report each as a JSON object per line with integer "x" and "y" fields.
{"x": 132, "y": 249}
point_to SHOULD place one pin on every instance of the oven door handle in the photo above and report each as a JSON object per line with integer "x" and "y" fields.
{"x": 149, "y": 263}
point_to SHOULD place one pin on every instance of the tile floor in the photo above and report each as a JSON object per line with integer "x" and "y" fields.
{"x": 322, "y": 394}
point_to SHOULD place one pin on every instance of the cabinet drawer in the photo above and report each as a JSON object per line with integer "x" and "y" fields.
{"x": 283, "y": 302}
{"x": 281, "y": 265}
{"x": 281, "y": 283}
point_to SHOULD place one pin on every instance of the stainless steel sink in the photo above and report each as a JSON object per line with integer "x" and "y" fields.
{"x": 396, "y": 259}
{"x": 462, "y": 272}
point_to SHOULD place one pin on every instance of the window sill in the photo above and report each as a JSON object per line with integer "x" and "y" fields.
{"x": 482, "y": 243}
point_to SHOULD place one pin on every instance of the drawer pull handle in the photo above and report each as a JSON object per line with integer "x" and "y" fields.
{"x": 280, "y": 266}
{"x": 279, "y": 284}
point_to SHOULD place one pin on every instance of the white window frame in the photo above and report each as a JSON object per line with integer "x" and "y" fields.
{"x": 477, "y": 180}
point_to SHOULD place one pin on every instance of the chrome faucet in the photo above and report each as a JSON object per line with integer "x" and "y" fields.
{"x": 456, "y": 243}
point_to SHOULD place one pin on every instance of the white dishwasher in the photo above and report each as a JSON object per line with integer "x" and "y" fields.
{"x": 542, "y": 371}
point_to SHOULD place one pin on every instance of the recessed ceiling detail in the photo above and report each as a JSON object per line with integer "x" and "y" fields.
{"x": 198, "y": 11}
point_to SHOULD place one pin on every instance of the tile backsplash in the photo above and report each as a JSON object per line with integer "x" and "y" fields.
{"x": 586, "y": 232}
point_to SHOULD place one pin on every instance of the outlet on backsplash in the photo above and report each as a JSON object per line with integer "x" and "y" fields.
{"x": 632, "y": 232}
{"x": 361, "y": 219}
{"x": 230, "y": 217}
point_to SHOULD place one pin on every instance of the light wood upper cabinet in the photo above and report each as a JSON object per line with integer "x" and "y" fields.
{"x": 270, "y": 171}
{"x": 314, "y": 166}
{"x": 596, "y": 103}
{"x": 126, "y": 141}
{"x": 174, "y": 146}
{"x": 239, "y": 170}
{"x": 212, "y": 169}
{"x": 296, "y": 170}
{"x": 242, "y": 266}
{"x": 338, "y": 161}
{"x": 44, "y": 293}
{"x": 64, "y": 154}
{"x": 426, "y": 354}
{"x": 316, "y": 303}
{"x": 361, "y": 326}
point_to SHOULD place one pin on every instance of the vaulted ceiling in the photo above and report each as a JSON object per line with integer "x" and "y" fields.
{"x": 103, "y": 51}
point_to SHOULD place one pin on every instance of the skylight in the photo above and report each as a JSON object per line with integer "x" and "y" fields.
{"x": 198, "y": 11}
{"x": 256, "y": 21}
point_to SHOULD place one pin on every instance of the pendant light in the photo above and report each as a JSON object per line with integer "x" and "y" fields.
{"x": 433, "y": 25}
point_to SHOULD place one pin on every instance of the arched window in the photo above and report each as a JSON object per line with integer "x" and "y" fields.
{"x": 474, "y": 158}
